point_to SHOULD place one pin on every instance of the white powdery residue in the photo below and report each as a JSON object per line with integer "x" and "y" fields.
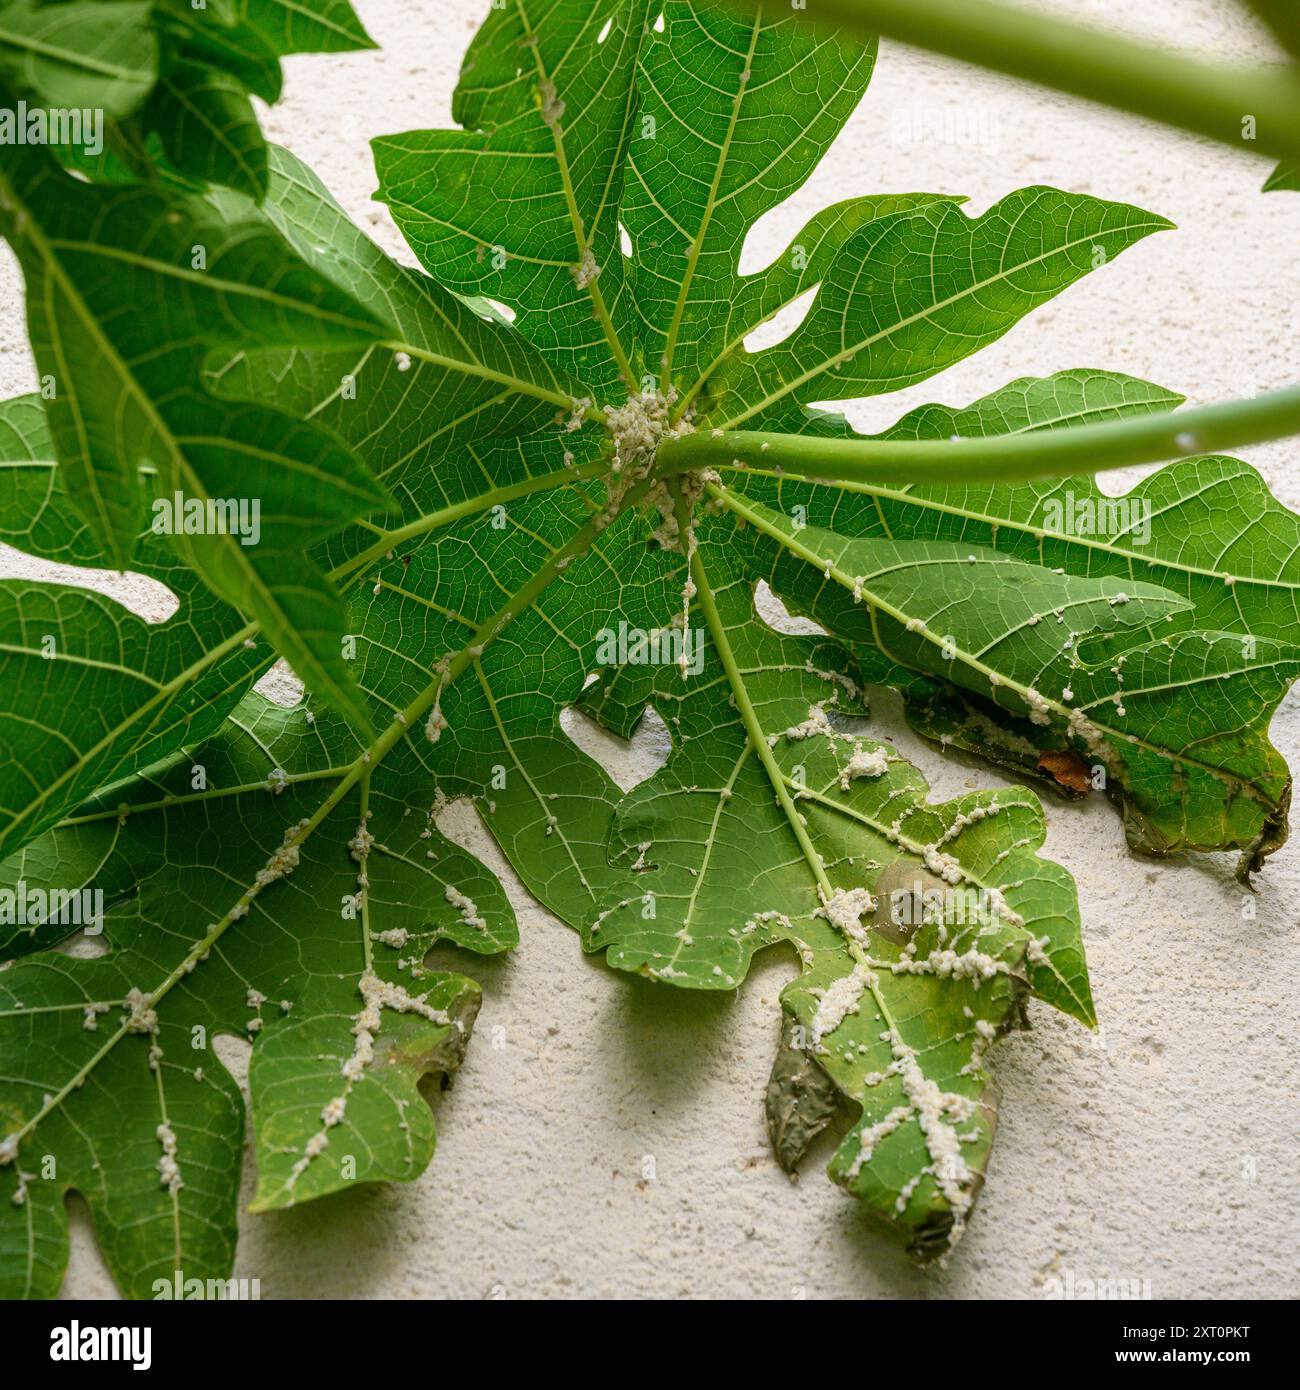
{"x": 869, "y": 1138}
{"x": 89, "y": 1023}
{"x": 396, "y": 937}
{"x": 761, "y": 919}
{"x": 932, "y": 1105}
{"x": 587, "y": 271}
{"x": 468, "y": 910}
{"x": 965, "y": 819}
{"x": 864, "y": 763}
{"x": 999, "y": 906}
{"x": 285, "y": 860}
{"x": 387, "y": 996}
{"x": 816, "y": 725}
{"x": 581, "y": 405}
{"x": 360, "y": 844}
{"x": 905, "y": 1193}
{"x": 949, "y": 964}
{"x": 8, "y": 1149}
{"x": 638, "y": 426}
{"x": 837, "y": 1001}
{"x": 1035, "y": 950}
{"x": 668, "y": 972}
{"x": 315, "y": 1145}
{"x": 846, "y": 683}
{"x": 255, "y": 999}
{"x": 1083, "y": 727}
{"x": 141, "y": 1017}
{"x": 944, "y": 865}
{"x": 1039, "y": 710}
{"x": 168, "y": 1169}
{"x": 845, "y": 908}
{"x": 376, "y": 995}
{"x": 436, "y": 723}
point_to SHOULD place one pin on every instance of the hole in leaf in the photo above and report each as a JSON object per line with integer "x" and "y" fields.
{"x": 148, "y": 599}
{"x": 782, "y": 324}
{"x": 629, "y": 762}
{"x": 281, "y": 686}
{"x": 234, "y": 1053}
{"x": 778, "y": 617}
{"x": 81, "y": 946}
{"x": 624, "y": 240}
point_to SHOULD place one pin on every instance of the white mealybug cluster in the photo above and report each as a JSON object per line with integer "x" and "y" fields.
{"x": 469, "y": 913}
{"x": 169, "y": 1170}
{"x": 141, "y": 1017}
{"x": 845, "y": 908}
{"x": 376, "y": 996}
{"x": 837, "y": 1001}
{"x": 864, "y": 762}
{"x": 285, "y": 859}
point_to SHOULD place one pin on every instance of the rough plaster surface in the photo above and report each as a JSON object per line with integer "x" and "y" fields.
{"x": 605, "y": 1136}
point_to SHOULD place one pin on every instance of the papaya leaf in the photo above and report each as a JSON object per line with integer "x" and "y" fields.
{"x": 921, "y": 928}
{"x": 112, "y": 694}
{"x": 1205, "y": 529}
{"x": 119, "y": 398}
{"x": 82, "y": 55}
{"x": 199, "y": 944}
{"x": 521, "y": 205}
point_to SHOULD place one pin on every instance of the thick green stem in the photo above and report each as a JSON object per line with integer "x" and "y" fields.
{"x": 1000, "y": 458}
{"x": 1254, "y": 109}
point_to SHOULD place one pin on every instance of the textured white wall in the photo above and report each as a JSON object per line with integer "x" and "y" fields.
{"x": 1129, "y": 1154}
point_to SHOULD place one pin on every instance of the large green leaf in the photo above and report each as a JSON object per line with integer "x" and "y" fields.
{"x": 208, "y": 128}
{"x": 911, "y": 294}
{"x": 91, "y": 692}
{"x": 85, "y": 55}
{"x": 1205, "y": 529}
{"x": 227, "y": 914}
{"x": 771, "y": 823}
{"x": 736, "y": 110}
{"x": 521, "y": 205}
{"x": 449, "y": 375}
{"x": 120, "y": 322}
